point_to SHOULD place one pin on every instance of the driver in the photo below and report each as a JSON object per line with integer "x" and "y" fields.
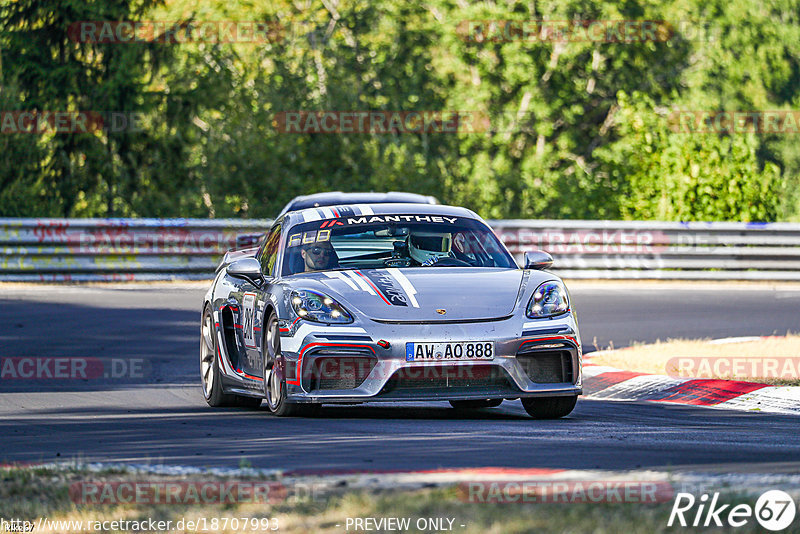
{"x": 426, "y": 248}
{"x": 319, "y": 257}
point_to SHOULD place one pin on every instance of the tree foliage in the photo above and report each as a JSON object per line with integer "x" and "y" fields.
{"x": 578, "y": 128}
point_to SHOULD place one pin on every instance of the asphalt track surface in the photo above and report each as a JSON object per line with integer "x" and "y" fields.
{"x": 158, "y": 416}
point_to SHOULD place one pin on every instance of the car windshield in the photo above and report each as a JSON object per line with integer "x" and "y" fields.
{"x": 399, "y": 241}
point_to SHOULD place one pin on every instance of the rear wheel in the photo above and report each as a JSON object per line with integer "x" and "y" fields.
{"x": 549, "y": 407}
{"x": 275, "y": 387}
{"x": 475, "y": 404}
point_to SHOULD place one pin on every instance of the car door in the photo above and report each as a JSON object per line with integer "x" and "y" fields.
{"x": 253, "y": 303}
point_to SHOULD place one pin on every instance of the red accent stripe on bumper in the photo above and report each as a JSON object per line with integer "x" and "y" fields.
{"x": 296, "y": 382}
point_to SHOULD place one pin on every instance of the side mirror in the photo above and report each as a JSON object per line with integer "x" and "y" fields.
{"x": 538, "y": 259}
{"x": 248, "y": 268}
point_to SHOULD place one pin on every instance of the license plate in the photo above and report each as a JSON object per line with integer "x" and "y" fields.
{"x": 458, "y": 351}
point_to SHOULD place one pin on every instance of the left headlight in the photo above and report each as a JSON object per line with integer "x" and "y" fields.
{"x": 320, "y": 308}
{"x": 549, "y": 299}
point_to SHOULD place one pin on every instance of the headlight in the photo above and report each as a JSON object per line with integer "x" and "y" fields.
{"x": 320, "y": 308}
{"x": 549, "y": 299}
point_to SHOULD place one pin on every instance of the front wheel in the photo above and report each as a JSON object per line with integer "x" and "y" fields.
{"x": 549, "y": 407}
{"x": 209, "y": 367}
{"x": 475, "y": 404}
{"x": 274, "y": 386}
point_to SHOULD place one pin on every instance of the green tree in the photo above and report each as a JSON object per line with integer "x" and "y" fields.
{"x": 577, "y": 127}
{"x": 97, "y": 172}
{"x": 556, "y": 101}
{"x": 687, "y": 176}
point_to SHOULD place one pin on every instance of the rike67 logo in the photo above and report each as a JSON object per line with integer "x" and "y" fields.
{"x": 774, "y": 510}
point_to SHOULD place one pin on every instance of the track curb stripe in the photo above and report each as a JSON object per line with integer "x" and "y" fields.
{"x": 706, "y": 392}
{"x": 473, "y": 471}
{"x": 608, "y": 383}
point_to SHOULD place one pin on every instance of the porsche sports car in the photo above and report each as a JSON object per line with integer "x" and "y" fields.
{"x": 387, "y": 302}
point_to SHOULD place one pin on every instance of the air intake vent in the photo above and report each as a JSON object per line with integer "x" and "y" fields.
{"x": 448, "y": 377}
{"x": 547, "y": 366}
{"x": 338, "y": 372}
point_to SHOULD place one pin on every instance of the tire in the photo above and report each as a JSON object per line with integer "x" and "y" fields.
{"x": 549, "y": 407}
{"x": 475, "y": 404}
{"x": 209, "y": 365}
{"x": 274, "y": 389}
{"x": 210, "y": 375}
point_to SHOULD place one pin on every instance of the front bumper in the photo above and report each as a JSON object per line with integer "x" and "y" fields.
{"x": 533, "y": 358}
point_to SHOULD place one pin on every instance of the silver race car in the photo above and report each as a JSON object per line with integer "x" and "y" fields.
{"x": 387, "y": 302}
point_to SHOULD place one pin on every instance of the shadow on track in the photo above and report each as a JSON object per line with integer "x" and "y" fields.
{"x": 98, "y": 348}
{"x": 172, "y": 427}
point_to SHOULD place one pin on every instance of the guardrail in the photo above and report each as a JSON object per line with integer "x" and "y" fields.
{"x": 80, "y": 250}
{"x": 660, "y": 250}
{"x": 189, "y": 249}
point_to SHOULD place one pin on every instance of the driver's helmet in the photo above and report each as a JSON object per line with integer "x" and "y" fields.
{"x": 428, "y": 247}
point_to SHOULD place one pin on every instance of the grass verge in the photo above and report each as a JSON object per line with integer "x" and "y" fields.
{"x": 33, "y": 493}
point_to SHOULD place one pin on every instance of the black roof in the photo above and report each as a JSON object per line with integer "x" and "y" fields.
{"x": 336, "y": 198}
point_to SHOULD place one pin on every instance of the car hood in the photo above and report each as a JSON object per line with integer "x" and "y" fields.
{"x": 419, "y": 294}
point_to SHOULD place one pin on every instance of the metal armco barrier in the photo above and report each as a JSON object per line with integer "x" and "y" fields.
{"x": 189, "y": 249}
{"x": 660, "y": 250}
{"x": 116, "y": 249}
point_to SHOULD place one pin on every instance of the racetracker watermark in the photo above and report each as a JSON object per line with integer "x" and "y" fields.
{"x": 592, "y": 241}
{"x": 156, "y": 241}
{"x": 591, "y": 31}
{"x": 180, "y": 493}
{"x": 201, "y": 524}
{"x": 70, "y": 122}
{"x": 380, "y": 122}
{"x": 579, "y": 241}
{"x": 73, "y": 368}
{"x": 734, "y": 367}
{"x": 187, "y": 492}
{"x": 404, "y": 122}
{"x": 175, "y": 32}
{"x": 567, "y": 491}
{"x": 781, "y": 122}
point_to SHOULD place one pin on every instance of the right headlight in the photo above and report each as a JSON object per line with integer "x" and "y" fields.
{"x": 549, "y": 299}
{"x": 320, "y": 308}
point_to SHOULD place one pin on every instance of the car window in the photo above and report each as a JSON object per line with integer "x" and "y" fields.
{"x": 399, "y": 241}
{"x": 269, "y": 252}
